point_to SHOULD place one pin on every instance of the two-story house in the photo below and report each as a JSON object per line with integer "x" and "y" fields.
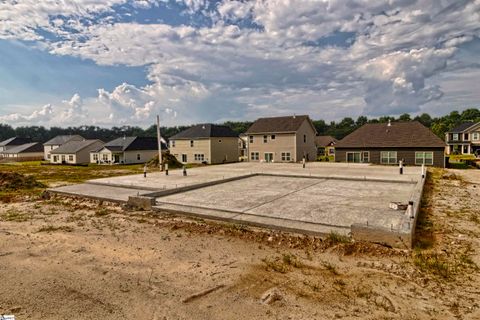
{"x": 205, "y": 143}
{"x": 282, "y": 139}
{"x": 464, "y": 139}
{"x": 56, "y": 142}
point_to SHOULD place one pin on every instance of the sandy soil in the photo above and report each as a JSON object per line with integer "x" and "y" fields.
{"x": 71, "y": 259}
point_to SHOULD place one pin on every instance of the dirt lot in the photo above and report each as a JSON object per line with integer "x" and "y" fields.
{"x": 72, "y": 259}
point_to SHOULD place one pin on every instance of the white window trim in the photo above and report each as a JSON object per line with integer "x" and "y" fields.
{"x": 363, "y": 156}
{"x": 423, "y": 158}
{"x": 389, "y": 157}
{"x": 286, "y": 156}
{"x": 475, "y": 136}
{"x": 353, "y": 152}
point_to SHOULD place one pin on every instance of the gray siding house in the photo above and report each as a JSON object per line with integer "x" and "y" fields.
{"x": 13, "y": 142}
{"x": 56, "y": 142}
{"x": 464, "y": 139}
{"x": 205, "y": 143}
{"x": 74, "y": 152}
{"x": 126, "y": 150}
{"x": 388, "y": 143}
{"x": 24, "y": 152}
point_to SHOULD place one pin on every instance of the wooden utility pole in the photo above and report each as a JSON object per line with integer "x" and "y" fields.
{"x": 159, "y": 138}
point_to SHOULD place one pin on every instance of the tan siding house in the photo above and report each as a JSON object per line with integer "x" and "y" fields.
{"x": 205, "y": 143}
{"x": 282, "y": 139}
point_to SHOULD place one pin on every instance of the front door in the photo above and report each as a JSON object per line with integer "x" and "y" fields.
{"x": 268, "y": 157}
{"x": 116, "y": 158}
{"x": 63, "y": 158}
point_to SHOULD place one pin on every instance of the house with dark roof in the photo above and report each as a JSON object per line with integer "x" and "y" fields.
{"x": 205, "y": 143}
{"x": 126, "y": 150}
{"x": 282, "y": 139}
{"x": 56, "y": 142}
{"x": 74, "y": 152}
{"x": 13, "y": 142}
{"x": 25, "y": 152}
{"x": 325, "y": 145}
{"x": 388, "y": 143}
{"x": 464, "y": 139}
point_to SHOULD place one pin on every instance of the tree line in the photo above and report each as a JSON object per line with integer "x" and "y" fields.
{"x": 439, "y": 125}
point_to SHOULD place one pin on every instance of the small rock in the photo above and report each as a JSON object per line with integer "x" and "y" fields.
{"x": 271, "y": 295}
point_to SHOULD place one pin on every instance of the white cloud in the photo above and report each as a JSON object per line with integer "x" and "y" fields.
{"x": 40, "y": 116}
{"x": 292, "y": 61}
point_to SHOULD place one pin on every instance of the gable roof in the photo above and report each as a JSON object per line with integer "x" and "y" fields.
{"x": 410, "y": 134}
{"x": 323, "y": 141}
{"x": 15, "y": 141}
{"x": 278, "y": 124}
{"x": 207, "y": 130}
{"x": 74, "y": 146}
{"x": 133, "y": 144}
{"x": 25, "y": 148}
{"x": 59, "y": 140}
{"x": 463, "y": 126}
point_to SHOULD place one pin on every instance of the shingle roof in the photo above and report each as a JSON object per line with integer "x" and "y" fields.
{"x": 324, "y": 141}
{"x": 277, "y": 124}
{"x": 207, "y": 130}
{"x": 133, "y": 144}
{"x": 74, "y": 146}
{"x": 25, "y": 148}
{"x": 59, "y": 140}
{"x": 15, "y": 141}
{"x": 400, "y": 134}
{"x": 463, "y": 126}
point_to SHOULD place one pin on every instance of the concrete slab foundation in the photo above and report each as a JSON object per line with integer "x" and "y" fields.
{"x": 323, "y": 198}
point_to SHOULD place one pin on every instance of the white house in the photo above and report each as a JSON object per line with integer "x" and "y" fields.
{"x": 56, "y": 142}
{"x": 74, "y": 152}
{"x": 126, "y": 150}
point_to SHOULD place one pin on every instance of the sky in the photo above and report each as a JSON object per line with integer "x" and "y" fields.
{"x": 122, "y": 62}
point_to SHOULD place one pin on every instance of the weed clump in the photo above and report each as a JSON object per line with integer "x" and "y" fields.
{"x": 11, "y": 181}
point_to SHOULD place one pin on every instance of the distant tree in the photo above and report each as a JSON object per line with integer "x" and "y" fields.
{"x": 361, "y": 121}
{"x": 424, "y": 119}
{"x": 6, "y": 131}
{"x": 405, "y": 117}
{"x": 470, "y": 115}
{"x": 320, "y": 126}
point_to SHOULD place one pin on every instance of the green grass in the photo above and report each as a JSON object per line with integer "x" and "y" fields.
{"x": 459, "y": 157}
{"x": 334, "y": 238}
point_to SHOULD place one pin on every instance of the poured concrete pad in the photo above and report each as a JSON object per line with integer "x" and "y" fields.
{"x": 99, "y": 192}
{"x": 306, "y": 203}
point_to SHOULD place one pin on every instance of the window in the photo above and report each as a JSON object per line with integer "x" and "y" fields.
{"x": 138, "y": 156}
{"x": 55, "y": 159}
{"x": 95, "y": 157}
{"x": 184, "y": 158}
{"x": 105, "y": 157}
{"x": 272, "y": 137}
{"x": 424, "y": 158}
{"x": 365, "y": 157}
{"x": 354, "y": 157}
{"x": 388, "y": 157}
{"x": 286, "y": 156}
{"x": 254, "y": 156}
{"x": 199, "y": 157}
{"x": 331, "y": 151}
{"x": 465, "y": 137}
{"x": 191, "y": 143}
{"x": 476, "y": 136}
{"x": 172, "y": 143}
{"x": 251, "y": 139}
{"x": 304, "y": 138}
{"x": 265, "y": 139}
{"x": 70, "y": 157}
{"x": 455, "y": 137}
